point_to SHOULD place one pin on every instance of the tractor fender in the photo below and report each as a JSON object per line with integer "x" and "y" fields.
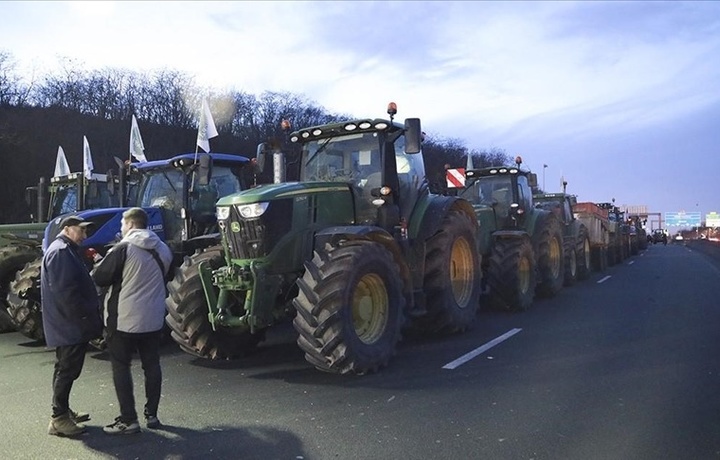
{"x": 533, "y": 218}
{"x": 333, "y": 235}
{"x": 427, "y": 217}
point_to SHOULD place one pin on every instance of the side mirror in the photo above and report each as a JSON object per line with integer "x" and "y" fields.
{"x": 204, "y": 169}
{"x": 262, "y": 150}
{"x": 110, "y": 182}
{"x": 413, "y": 135}
{"x": 532, "y": 180}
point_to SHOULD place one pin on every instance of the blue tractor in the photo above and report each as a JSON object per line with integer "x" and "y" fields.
{"x": 179, "y": 195}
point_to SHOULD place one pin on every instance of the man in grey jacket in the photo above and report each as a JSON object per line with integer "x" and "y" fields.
{"x": 135, "y": 271}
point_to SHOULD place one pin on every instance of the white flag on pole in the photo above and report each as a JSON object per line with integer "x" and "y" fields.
{"x": 137, "y": 147}
{"x": 206, "y": 128}
{"x": 87, "y": 159}
{"x": 61, "y": 165}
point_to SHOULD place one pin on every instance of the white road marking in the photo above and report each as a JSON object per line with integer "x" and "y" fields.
{"x": 467, "y": 357}
{"x": 602, "y": 280}
{"x": 631, "y": 262}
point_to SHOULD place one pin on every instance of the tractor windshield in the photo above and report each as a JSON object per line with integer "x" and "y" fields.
{"x": 355, "y": 158}
{"x": 489, "y": 190}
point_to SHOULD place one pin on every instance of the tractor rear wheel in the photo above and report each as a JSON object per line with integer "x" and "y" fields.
{"x": 452, "y": 276}
{"x": 511, "y": 276}
{"x": 548, "y": 248}
{"x": 12, "y": 259}
{"x": 24, "y": 301}
{"x": 350, "y": 308}
{"x": 188, "y": 314}
{"x": 583, "y": 254}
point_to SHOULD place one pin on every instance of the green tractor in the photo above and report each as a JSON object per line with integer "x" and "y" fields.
{"x": 348, "y": 252}
{"x": 522, "y": 246}
{"x": 22, "y": 243}
{"x": 576, "y": 239}
{"x": 619, "y": 247}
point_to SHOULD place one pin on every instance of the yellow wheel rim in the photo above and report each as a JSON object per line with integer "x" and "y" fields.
{"x": 462, "y": 271}
{"x": 370, "y": 308}
{"x": 524, "y": 275}
{"x": 555, "y": 256}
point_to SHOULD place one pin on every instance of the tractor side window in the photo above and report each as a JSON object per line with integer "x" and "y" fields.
{"x": 524, "y": 192}
{"x": 65, "y": 201}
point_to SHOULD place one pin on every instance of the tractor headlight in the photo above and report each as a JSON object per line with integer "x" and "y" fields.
{"x": 248, "y": 211}
{"x": 223, "y": 212}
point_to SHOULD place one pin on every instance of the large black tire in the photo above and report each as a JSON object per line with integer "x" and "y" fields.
{"x": 452, "y": 281}
{"x": 187, "y": 315}
{"x": 24, "y": 302}
{"x": 571, "y": 264}
{"x": 548, "y": 248}
{"x": 512, "y": 274}
{"x": 350, "y": 308}
{"x": 584, "y": 263}
{"x": 12, "y": 259}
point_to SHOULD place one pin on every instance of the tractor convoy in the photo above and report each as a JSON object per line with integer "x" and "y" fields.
{"x": 355, "y": 252}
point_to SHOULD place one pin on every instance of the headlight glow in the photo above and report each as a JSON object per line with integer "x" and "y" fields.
{"x": 222, "y": 212}
{"x": 249, "y": 211}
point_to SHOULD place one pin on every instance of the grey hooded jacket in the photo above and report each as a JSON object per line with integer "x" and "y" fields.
{"x": 135, "y": 302}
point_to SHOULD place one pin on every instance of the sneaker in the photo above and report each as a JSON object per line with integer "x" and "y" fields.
{"x": 152, "y": 421}
{"x": 120, "y": 427}
{"x": 63, "y": 425}
{"x": 78, "y": 417}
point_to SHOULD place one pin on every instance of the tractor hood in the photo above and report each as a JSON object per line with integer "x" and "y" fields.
{"x": 269, "y": 192}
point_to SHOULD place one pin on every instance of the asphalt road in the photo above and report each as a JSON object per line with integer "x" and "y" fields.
{"x": 621, "y": 366}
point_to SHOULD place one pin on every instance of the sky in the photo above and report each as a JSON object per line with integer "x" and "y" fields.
{"x": 621, "y": 99}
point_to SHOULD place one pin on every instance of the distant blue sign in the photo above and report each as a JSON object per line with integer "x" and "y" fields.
{"x": 682, "y": 219}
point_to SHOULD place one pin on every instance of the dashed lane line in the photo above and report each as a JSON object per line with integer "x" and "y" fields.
{"x": 482, "y": 349}
{"x": 603, "y": 279}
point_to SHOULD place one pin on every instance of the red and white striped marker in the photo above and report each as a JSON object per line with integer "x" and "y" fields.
{"x": 455, "y": 178}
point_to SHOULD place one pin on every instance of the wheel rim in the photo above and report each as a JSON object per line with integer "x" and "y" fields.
{"x": 461, "y": 271}
{"x": 555, "y": 254}
{"x": 370, "y": 308}
{"x": 586, "y": 252}
{"x": 524, "y": 268}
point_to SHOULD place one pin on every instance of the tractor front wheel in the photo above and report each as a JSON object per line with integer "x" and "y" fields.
{"x": 350, "y": 308}
{"x": 24, "y": 301}
{"x": 188, "y": 314}
{"x": 583, "y": 254}
{"x": 511, "y": 275}
{"x": 452, "y": 276}
{"x": 548, "y": 247}
{"x": 12, "y": 259}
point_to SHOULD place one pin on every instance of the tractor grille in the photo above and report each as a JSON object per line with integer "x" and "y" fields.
{"x": 253, "y": 238}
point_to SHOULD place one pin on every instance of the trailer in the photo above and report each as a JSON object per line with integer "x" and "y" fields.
{"x": 598, "y": 224}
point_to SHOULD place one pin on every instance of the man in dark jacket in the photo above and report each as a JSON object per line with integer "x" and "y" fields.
{"x": 135, "y": 270}
{"x": 71, "y": 318}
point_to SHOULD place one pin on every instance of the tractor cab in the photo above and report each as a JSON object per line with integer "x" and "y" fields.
{"x": 185, "y": 188}
{"x": 74, "y": 192}
{"x": 372, "y": 158}
{"x": 500, "y": 194}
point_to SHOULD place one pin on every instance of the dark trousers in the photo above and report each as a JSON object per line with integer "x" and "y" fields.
{"x": 121, "y": 347}
{"x": 69, "y": 360}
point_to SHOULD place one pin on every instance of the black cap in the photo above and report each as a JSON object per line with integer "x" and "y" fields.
{"x": 72, "y": 221}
